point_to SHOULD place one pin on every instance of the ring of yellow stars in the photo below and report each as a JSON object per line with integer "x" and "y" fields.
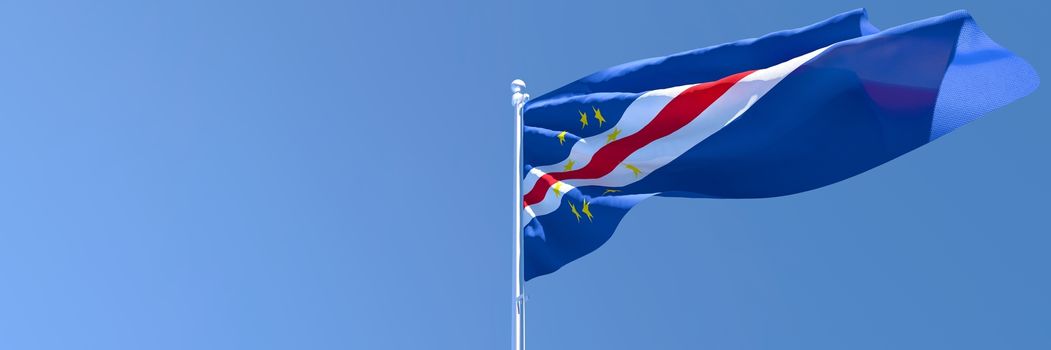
{"x": 587, "y": 210}
{"x": 569, "y": 165}
{"x": 610, "y": 191}
{"x": 557, "y": 187}
{"x": 562, "y": 137}
{"x": 583, "y": 119}
{"x": 573, "y": 209}
{"x": 598, "y": 116}
{"x": 633, "y": 169}
{"x": 613, "y": 135}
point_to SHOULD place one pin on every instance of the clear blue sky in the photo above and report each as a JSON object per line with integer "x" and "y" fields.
{"x": 336, "y": 175}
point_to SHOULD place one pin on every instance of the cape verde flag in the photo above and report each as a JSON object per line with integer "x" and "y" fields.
{"x": 781, "y": 114}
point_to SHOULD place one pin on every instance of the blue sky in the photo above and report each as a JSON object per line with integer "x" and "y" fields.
{"x": 336, "y": 175}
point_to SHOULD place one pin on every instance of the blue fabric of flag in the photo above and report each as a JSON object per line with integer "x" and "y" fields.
{"x": 868, "y": 98}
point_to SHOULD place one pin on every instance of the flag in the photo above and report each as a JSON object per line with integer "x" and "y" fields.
{"x": 772, "y": 116}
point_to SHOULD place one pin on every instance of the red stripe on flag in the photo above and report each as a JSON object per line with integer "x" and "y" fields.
{"x": 680, "y": 111}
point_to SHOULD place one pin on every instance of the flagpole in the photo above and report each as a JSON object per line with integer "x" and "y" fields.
{"x": 518, "y": 100}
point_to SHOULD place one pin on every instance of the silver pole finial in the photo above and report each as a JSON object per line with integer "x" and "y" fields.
{"x": 519, "y": 97}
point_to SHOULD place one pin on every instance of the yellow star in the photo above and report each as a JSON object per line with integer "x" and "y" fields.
{"x": 633, "y": 169}
{"x": 587, "y": 211}
{"x": 573, "y": 209}
{"x": 557, "y": 187}
{"x": 609, "y": 191}
{"x": 583, "y": 119}
{"x": 613, "y": 135}
{"x": 598, "y": 116}
{"x": 569, "y": 165}
{"x": 562, "y": 137}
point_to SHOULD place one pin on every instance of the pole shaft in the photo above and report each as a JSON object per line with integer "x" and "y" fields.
{"x": 518, "y": 100}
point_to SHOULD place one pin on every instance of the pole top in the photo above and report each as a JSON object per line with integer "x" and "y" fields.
{"x": 517, "y": 85}
{"x": 519, "y": 98}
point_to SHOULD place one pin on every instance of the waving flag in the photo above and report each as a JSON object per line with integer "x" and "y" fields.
{"x": 785, "y": 113}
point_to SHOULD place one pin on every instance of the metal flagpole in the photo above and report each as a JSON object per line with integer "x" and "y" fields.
{"x": 518, "y": 100}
